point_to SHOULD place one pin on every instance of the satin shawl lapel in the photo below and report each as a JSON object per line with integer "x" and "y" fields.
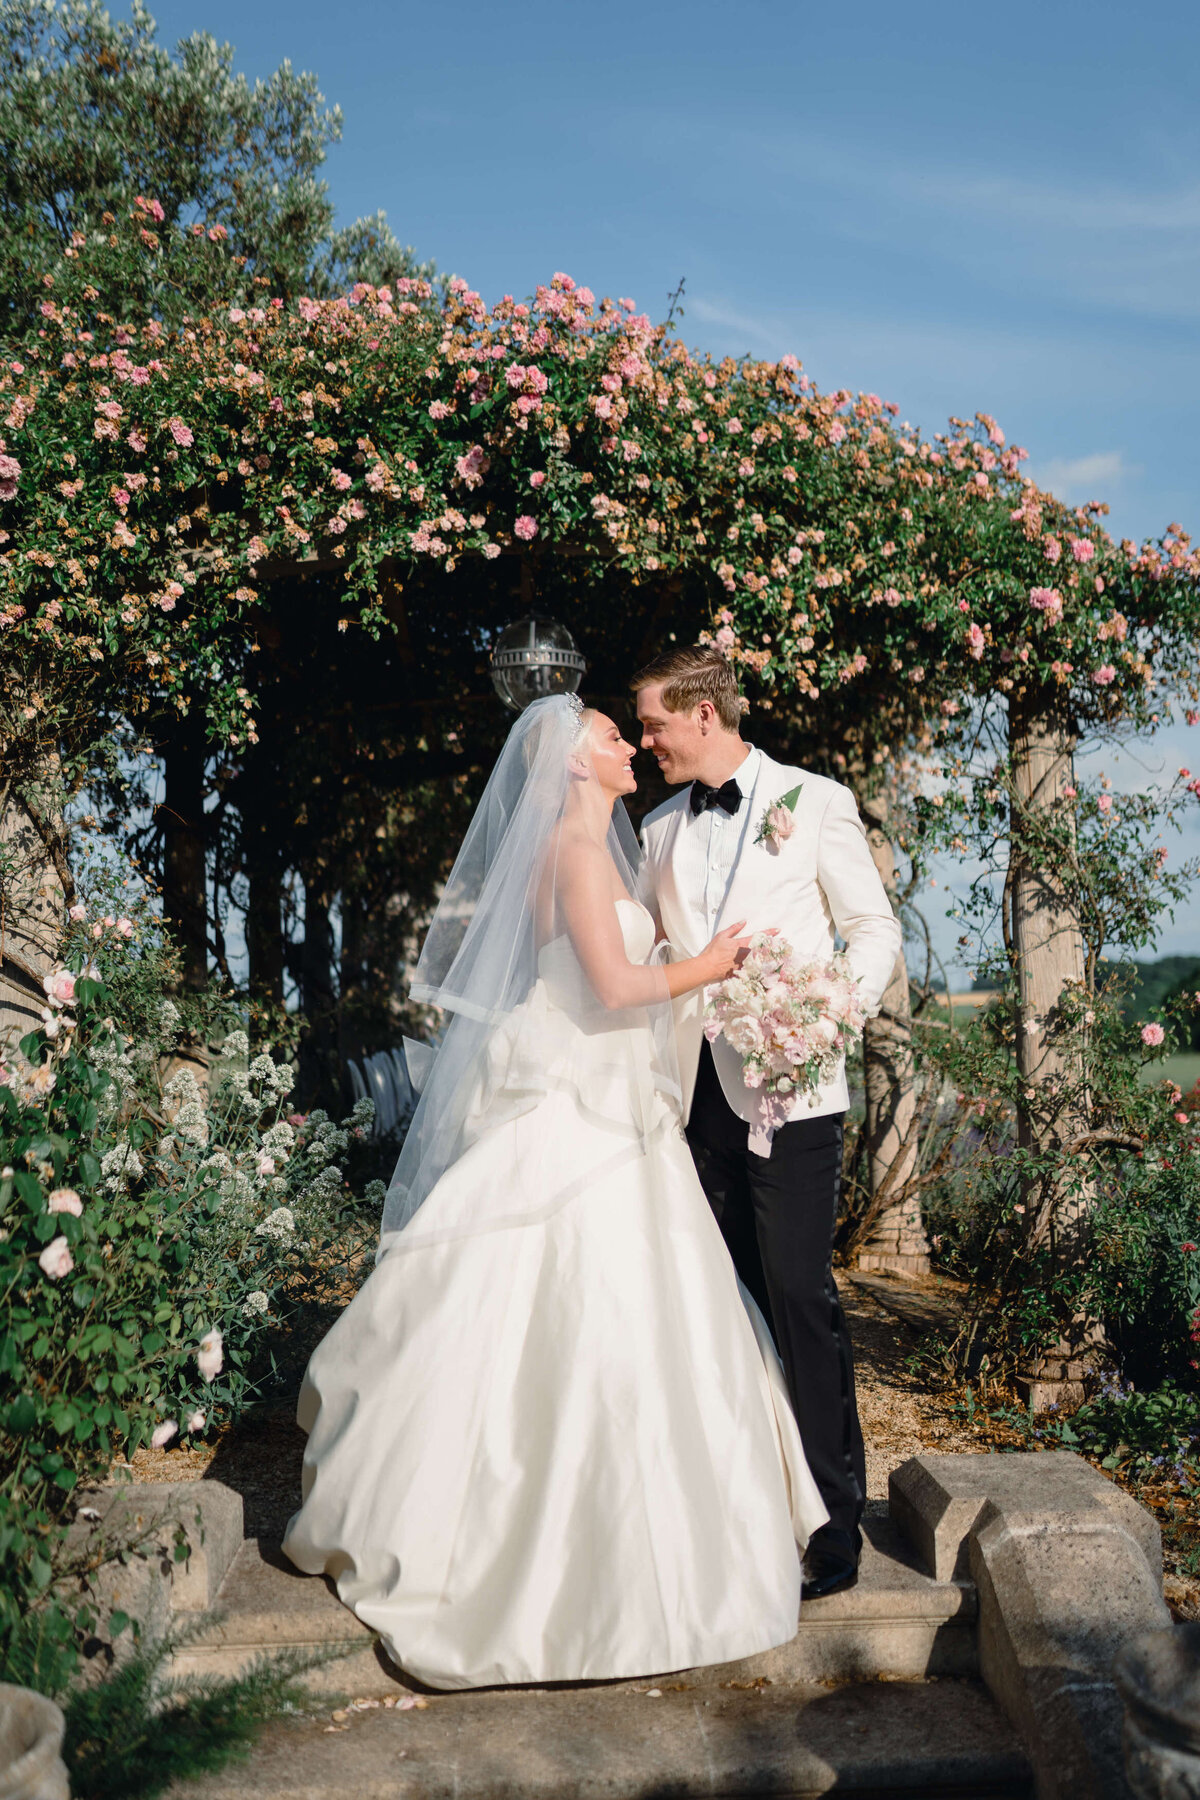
{"x": 665, "y": 859}
{"x": 751, "y": 856}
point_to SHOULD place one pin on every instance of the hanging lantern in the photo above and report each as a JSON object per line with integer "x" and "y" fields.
{"x": 532, "y": 658}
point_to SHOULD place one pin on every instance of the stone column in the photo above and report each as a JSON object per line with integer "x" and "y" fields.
{"x": 1158, "y": 1677}
{"x": 31, "y": 1738}
{"x": 896, "y": 1240}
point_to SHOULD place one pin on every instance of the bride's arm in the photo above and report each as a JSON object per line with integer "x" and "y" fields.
{"x": 584, "y": 897}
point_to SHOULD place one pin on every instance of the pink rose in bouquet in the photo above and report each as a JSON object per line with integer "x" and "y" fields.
{"x": 790, "y": 1021}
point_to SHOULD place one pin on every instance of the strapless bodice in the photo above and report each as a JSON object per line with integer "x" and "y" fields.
{"x": 558, "y": 963}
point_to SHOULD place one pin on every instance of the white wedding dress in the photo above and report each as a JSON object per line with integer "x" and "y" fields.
{"x": 559, "y": 1447}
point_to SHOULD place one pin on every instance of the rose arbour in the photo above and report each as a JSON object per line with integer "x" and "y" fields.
{"x": 154, "y": 476}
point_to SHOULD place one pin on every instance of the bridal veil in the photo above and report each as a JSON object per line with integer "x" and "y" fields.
{"x": 522, "y": 1021}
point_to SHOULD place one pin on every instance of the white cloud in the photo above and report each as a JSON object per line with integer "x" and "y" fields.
{"x": 1076, "y": 479}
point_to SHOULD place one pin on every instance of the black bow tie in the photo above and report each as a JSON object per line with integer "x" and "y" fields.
{"x": 728, "y": 795}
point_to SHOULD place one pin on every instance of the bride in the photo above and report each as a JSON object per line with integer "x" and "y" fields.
{"x": 549, "y": 1440}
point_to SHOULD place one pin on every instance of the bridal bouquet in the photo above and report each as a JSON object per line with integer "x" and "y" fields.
{"x": 790, "y": 1021}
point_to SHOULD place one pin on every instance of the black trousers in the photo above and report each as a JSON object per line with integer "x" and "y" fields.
{"x": 777, "y": 1216}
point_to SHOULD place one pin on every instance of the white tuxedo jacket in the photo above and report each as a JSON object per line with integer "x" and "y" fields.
{"x": 819, "y": 881}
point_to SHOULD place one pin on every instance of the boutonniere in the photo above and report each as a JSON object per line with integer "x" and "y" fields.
{"x": 779, "y": 821}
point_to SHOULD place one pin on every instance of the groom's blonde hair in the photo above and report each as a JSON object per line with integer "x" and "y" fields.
{"x": 688, "y": 676}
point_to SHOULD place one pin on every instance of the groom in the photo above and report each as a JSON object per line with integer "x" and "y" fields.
{"x": 704, "y": 869}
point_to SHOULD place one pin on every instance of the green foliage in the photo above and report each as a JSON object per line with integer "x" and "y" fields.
{"x": 1152, "y": 985}
{"x": 152, "y": 1236}
{"x": 95, "y": 111}
{"x": 132, "y": 1735}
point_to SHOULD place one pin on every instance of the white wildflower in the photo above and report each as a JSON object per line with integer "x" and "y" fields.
{"x": 119, "y": 1166}
{"x": 255, "y": 1304}
{"x": 191, "y": 1122}
{"x": 278, "y": 1141}
{"x": 182, "y": 1089}
{"x": 279, "y": 1225}
{"x": 236, "y": 1044}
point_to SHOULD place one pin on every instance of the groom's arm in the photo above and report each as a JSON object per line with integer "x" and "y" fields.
{"x": 857, "y": 898}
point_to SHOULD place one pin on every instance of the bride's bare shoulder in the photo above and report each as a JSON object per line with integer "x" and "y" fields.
{"x": 576, "y": 853}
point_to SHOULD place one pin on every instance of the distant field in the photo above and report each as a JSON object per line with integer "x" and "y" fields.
{"x": 1183, "y": 1070}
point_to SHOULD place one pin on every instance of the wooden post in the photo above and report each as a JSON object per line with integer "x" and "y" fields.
{"x": 185, "y": 873}
{"x": 318, "y": 1002}
{"x": 897, "y": 1238}
{"x": 1046, "y": 945}
{"x": 181, "y": 820}
{"x": 264, "y": 932}
{"x": 32, "y": 894}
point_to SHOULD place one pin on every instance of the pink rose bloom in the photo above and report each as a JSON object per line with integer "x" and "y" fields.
{"x": 1104, "y": 675}
{"x": 537, "y": 478}
{"x": 266, "y": 1164}
{"x": 180, "y": 432}
{"x": 339, "y": 480}
{"x": 56, "y": 1259}
{"x": 162, "y": 1434}
{"x": 1153, "y": 1035}
{"x": 197, "y": 1421}
{"x": 125, "y": 927}
{"x": 781, "y": 823}
{"x": 1105, "y": 803}
{"x": 514, "y": 375}
{"x": 10, "y": 470}
{"x": 59, "y": 986}
{"x": 1048, "y": 601}
{"x": 210, "y": 1356}
{"x": 438, "y": 409}
{"x": 976, "y": 642}
{"x": 136, "y": 441}
{"x": 526, "y": 528}
{"x": 77, "y": 913}
{"x": 1082, "y": 549}
{"x": 472, "y": 466}
{"x": 65, "y": 1200}
{"x": 1052, "y": 548}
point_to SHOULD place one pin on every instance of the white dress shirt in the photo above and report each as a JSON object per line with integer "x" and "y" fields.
{"x": 711, "y": 841}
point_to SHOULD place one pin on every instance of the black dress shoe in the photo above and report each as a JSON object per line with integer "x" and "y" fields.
{"x": 827, "y": 1571}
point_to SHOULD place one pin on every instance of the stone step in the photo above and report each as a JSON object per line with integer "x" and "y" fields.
{"x": 897, "y": 1622}
{"x": 939, "y": 1740}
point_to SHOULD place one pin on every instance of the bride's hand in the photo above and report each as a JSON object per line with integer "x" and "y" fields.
{"x": 725, "y": 953}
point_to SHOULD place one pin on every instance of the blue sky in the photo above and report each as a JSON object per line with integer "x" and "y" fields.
{"x": 957, "y": 207}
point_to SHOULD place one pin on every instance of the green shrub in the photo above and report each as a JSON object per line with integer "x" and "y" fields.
{"x": 153, "y": 1235}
